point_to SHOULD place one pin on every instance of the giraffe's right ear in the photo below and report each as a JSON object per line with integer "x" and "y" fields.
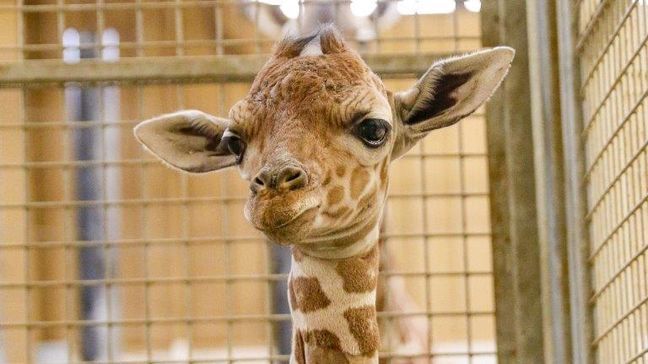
{"x": 189, "y": 140}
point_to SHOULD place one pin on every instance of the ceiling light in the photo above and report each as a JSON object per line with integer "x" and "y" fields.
{"x": 363, "y": 8}
{"x": 290, "y": 8}
{"x": 411, "y": 7}
{"x": 473, "y": 5}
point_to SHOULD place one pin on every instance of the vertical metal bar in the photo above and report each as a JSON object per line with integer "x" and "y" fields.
{"x": 143, "y": 224}
{"x": 499, "y": 212}
{"x": 101, "y": 24}
{"x": 68, "y": 216}
{"x": 186, "y": 248}
{"x": 92, "y": 260}
{"x": 105, "y": 249}
{"x": 20, "y": 35}
{"x": 27, "y": 249}
{"x": 142, "y": 175}
{"x": 573, "y": 154}
{"x": 179, "y": 29}
{"x": 548, "y": 157}
{"x": 512, "y": 179}
{"x": 464, "y": 208}
{"x": 426, "y": 244}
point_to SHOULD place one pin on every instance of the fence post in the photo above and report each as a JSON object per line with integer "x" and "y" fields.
{"x": 516, "y": 253}
{"x": 575, "y": 204}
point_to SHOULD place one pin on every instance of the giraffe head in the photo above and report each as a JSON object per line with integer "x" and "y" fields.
{"x": 315, "y": 135}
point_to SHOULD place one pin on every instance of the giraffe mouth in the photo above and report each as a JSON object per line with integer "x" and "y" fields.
{"x": 297, "y": 216}
{"x": 284, "y": 219}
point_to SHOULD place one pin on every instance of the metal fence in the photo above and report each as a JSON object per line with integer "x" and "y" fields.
{"x": 612, "y": 45}
{"x": 107, "y": 256}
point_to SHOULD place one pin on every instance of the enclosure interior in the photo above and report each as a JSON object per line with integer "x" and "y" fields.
{"x": 108, "y": 255}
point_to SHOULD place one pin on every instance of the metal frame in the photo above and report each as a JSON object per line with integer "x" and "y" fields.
{"x": 550, "y": 178}
{"x": 574, "y": 170}
{"x": 140, "y": 70}
{"x": 516, "y": 245}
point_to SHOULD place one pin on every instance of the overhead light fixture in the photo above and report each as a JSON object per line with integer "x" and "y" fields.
{"x": 362, "y": 8}
{"x": 289, "y": 8}
{"x": 411, "y": 7}
{"x": 271, "y": 2}
{"x": 473, "y": 5}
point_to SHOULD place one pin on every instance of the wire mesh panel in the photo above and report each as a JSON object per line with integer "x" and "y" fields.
{"x": 613, "y": 38}
{"x": 108, "y": 256}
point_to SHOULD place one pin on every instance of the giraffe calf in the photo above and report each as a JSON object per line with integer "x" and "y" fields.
{"x": 314, "y": 138}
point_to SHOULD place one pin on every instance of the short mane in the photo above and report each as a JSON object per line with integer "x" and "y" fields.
{"x": 330, "y": 41}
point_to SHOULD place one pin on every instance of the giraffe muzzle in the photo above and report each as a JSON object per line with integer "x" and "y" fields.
{"x": 283, "y": 178}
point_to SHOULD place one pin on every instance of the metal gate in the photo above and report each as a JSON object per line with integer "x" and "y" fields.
{"x": 108, "y": 256}
{"x": 612, "y": 45}
{"x": 568, "y": 142}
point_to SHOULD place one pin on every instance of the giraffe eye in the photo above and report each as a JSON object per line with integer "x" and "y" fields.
{"x": 233, "y": 143}
{"x": 373, "y": 132}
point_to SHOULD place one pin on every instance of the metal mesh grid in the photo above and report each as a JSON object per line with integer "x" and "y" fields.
{"x": 613, "y": 39}
{"x": 180, "y": 275}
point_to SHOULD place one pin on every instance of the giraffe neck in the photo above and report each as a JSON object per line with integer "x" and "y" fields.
{"x": 333, "y": 306}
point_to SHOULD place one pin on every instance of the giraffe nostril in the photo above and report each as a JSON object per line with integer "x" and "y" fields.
{"x": 258, "y": 181}
{"x": 293, "y": 176}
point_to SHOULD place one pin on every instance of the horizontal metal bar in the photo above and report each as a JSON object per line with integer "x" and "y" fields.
{"x": 154, "y": 281}
{"x": 612, "y": 88}
{"x": 195, "y": 200}
{"x": 201, "y": 43}
{"x": 619, "y": 320}
{"x": 601, "y": 244}
{"x": 151, "y": 161}
{"x": 69, "y": 124}
{"x": 203, "y": 240}
{"x": 85, "y": 124}
{"x": 103, "y": 6}
{"x": 612, "y": 183}
{"x": 232, "y": 68}
{"x": 596, "y": 16}
{"x": 128, "y": 243}
{"x": 285, "y": 358}
{"x": 636, "y": 357}
{"x": 617, "y": 274}
{"x": 609, "y": 43}
{"x": 618, "y": 129}
{"x": 213, "y": 319}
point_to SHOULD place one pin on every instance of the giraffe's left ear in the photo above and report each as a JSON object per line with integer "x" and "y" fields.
{"x": 449, "y": 91}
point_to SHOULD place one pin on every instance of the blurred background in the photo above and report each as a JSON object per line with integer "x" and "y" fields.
{"x": 519, "y": 233}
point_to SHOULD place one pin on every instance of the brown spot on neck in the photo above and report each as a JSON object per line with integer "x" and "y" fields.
{"x": 298, "y": 348}
{"x": 323, "y": 339}
{"x": 363, "y": 325}
{"x": 317, "y": 355}
{"x": 360, "y": 274}
{"x": 323, "y": 346}
{"x": 307, "y": 294}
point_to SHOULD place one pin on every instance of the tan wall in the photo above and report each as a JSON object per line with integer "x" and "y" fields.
{"x": 13, "y": 228}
